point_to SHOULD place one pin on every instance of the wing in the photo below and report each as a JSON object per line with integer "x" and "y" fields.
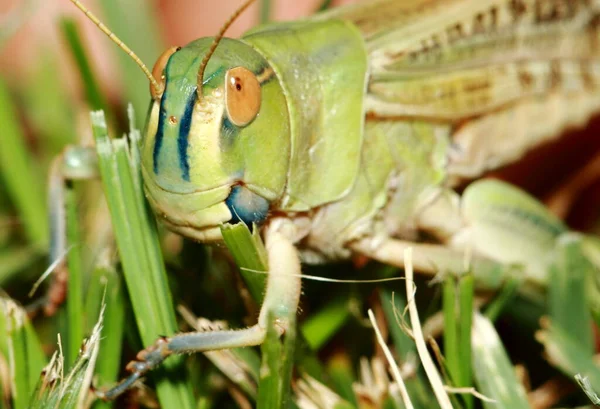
{"x": 505, "y": 76}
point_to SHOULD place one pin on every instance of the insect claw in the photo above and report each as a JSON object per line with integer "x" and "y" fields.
{"x": 119, "y": 389}
{"x": 137, "y": 366}
{"x": 97, "y": 392}
{"x": 55, "y": 295}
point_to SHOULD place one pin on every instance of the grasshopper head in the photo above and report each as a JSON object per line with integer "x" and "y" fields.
{"x": 219, "y": 155}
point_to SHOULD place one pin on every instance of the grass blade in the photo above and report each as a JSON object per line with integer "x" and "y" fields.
{"x": 466, "y": 297}
{"x": 72, "y": 391}
{"x": 567, "y": 291}
{"x": 25, "y": 190}
{"x": 143, "y": 37}
{"x": 274, "y": 389}
{"x": 93, "y": 94}
{"x": 75, "y": 318}
{"x": 493, "y": 370}
{"x": 451, "y": 336}
{"x": 23, "y": 352}
{"x": 568, "y": 354}
{"x": 506, "y": 294}
{"x": 106, "y": 287}
{"x": 141, "y": 255}
{"x": 325, "y": 323}
{"x": 249, "y": 254}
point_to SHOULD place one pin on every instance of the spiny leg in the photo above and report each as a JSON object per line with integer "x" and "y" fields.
{"x": 281, "y": 299}
{"x": 74, "y": 163}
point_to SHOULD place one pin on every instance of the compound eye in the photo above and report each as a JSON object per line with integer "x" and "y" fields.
{"x": 242, "y": 95}
{"x": 158, "y": 71}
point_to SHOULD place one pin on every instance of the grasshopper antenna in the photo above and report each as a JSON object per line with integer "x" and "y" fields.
{"x": 157, "y": 87}
{"x": 216, "y": 42}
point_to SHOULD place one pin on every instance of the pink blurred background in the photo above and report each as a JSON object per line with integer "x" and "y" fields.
{"x": 33, "y": 28}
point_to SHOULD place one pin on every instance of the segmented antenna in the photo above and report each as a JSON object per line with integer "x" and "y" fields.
{"x": 215, "y": 43}
{"x": 120, "y": 43}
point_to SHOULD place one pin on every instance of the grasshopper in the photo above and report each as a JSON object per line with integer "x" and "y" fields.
{"x": 347, "y": 132}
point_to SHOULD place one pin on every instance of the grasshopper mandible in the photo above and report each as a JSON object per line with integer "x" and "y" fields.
{"x": 345, "y": 133}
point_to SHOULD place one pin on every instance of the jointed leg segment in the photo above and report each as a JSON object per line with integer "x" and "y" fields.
{"x": 281, "y": 300}
{"x": 164, "y": 347}
{"x": 74, "y": 163}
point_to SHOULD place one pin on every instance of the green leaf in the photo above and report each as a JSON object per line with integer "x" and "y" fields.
{"x": 249, "y": 254}
{"x": 141, "y": 255}
{"x": 494, "y": 373}
{"x": 21, "y": 176}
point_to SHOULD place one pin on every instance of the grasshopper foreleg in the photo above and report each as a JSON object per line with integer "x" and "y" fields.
{"x": 190, "y": 342}
{"x": 74, "y": 163}
{"x": 280, "y": 302}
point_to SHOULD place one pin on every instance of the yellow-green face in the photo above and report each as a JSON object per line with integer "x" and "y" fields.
{"x": 224, "y": 156}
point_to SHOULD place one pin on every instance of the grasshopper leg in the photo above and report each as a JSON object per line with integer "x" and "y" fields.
{"x": 74, "y": 163}
{"x": 496, "y": 227}
{"x": 281, "y": 302}
{"x": 433, "y": 259}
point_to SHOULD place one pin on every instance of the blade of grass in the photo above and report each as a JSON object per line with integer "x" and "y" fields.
{"x": 391, "y": 302}
{"x": 25, "y": 190}
{"x": 451, "y": 336}
{"x": 70, "y": 392}
{"x": 137, "y": 27}
{"x": 568, "y": 354}
{"x": 49, "y": 107}
{"x": 590, "y": 246}
{"x": 5, "y": 382}
{"x": 394, "y": 304}
{"x": 325, "y": 323}
{"x": 394, "y": 367}
{"x": 75, "y": 318}
{"x": 466, "y": 295}
{"x": 432, "y": 373}
{"x": 140, "y": 252}
{"x": 23, "y": 352}
{"x": 274, "y": 389}
{"x": 106, "y": 286}
{"x": 494, "y": 373}
{"x": 567, "y": 291}
{"x": 507, "y": 293}
{"x": 93, "y": 94}
{"x": 249, "y": 254}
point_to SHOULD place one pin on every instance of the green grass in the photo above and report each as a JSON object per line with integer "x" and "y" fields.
{"x": 139, "y": 250}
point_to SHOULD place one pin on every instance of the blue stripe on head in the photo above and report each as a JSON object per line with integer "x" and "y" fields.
{"x": 184, "y": 131}
{"x": 158, "y": 138}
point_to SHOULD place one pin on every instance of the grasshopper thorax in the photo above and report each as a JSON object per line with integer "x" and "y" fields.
{"x": 203, "y": 150}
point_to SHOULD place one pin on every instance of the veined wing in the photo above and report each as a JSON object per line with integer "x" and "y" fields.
{"x": 504, "y": 75}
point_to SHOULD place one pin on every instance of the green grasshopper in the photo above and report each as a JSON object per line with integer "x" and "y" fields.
{"x": 347, "y": 132}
